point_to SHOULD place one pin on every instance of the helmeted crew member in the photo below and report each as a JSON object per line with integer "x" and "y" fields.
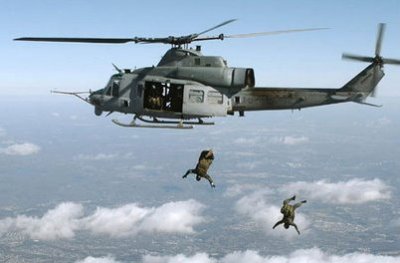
{"x": 205, "y": 160}
{"x": 288, "y": 212}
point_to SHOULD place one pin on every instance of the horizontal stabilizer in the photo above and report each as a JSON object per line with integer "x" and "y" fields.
{"x": 355, "y": 97}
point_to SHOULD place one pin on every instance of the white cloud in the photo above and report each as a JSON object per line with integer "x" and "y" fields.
{"x": 21, "y": 149}
{"x": 313, "y": 255}
{"x": 116, "y": 222}
{"x": 128, "y": 220}
{"x": 294, "y": 164}
{"x": 247, "y": 175}
{"x": 5, "y": 225}
{"x": 354, "y": 191}
{"x": 60, "y": 222}
{"x": 96, "y": 157}
{"x": 290, "y": 140}
{"x": 379, "y": 123}
{"x": 238, "y": 189}
{"x": 246, "y": 141}
{"x": 249, "y": 165}
{"x": 242, "y": 154}
{"x": 174, "y": 217}
{"x": 107, "y": 156}
{"x": 266, "y": 215}
{"x": 139, "y": 167}
{"x": 107, "y": 259}
{"x": 180, "y": 258}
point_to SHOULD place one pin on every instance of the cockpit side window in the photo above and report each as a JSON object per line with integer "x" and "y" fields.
{"x": 112, "y": 89}
{"x": 108, "y": 91}
{"x": 115, "y": 88}
{"x": 196, "y": 96}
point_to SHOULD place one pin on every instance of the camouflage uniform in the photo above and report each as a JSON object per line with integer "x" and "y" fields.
{"x": 205, "y": 160}
{"x": 288, "y": 212}
{"x": 155, "y": 103}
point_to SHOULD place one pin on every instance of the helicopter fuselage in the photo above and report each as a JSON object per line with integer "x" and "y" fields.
{"x": 156, "y": 96}
{"x": 186, "y": 85}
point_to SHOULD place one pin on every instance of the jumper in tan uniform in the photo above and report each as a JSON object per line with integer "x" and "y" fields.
{"x": 288, "y": 212}
{"x": 205, "y": 160}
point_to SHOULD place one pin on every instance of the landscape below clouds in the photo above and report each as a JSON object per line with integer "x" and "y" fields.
{"x": 109, "y": 194}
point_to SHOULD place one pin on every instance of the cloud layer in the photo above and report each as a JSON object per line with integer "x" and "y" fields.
{"x": 67, "y": 218}
{"x": 107, "y": 259}
{"x": 354, "y": 191}
{"x": 130, "y": 219}
{"x": 21, "y": 149}
{"x": 255, "y": 205}
{"x": 313, "y": 255}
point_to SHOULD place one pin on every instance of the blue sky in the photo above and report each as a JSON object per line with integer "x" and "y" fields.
{"x": 57, "y": 158}
{"x": 311, "y": 59}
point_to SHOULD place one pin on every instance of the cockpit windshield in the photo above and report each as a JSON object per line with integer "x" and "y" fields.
{"x": 112, "y": 88}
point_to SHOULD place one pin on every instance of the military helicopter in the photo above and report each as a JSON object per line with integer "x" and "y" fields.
{"x": 186, "y": 86}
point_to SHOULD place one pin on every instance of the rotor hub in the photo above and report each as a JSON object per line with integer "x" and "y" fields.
{"x": 379, "y": 60}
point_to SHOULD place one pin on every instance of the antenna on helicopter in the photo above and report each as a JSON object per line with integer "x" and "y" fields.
{"x": 116, "y": 68}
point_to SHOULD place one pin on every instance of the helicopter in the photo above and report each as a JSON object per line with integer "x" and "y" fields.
{"x": 186, "y": 86}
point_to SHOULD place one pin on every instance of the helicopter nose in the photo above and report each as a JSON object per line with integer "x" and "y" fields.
{"x": 95, "y": 99}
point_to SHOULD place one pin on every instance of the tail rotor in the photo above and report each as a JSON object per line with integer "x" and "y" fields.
{"x": 378, "y": 59}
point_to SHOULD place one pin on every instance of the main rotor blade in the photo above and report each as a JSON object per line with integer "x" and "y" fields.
{"x": 357, "y": 57}
{"x": 78, "y": 40}
{"x": 215, "y": 27}
{"x": 274, "y": 32}
{"x": 97, "y": 40}
{"x": 391, "y": 61}
{"x": 146, "y": 40}
{"x": 69, "y": 93}
{"x": 379, "y": 38}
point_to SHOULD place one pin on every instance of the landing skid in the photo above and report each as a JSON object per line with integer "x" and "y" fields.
{"x": 133, "y": 124}
{"x": 155, "y": 120}
{"x": 156, "y": 123}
